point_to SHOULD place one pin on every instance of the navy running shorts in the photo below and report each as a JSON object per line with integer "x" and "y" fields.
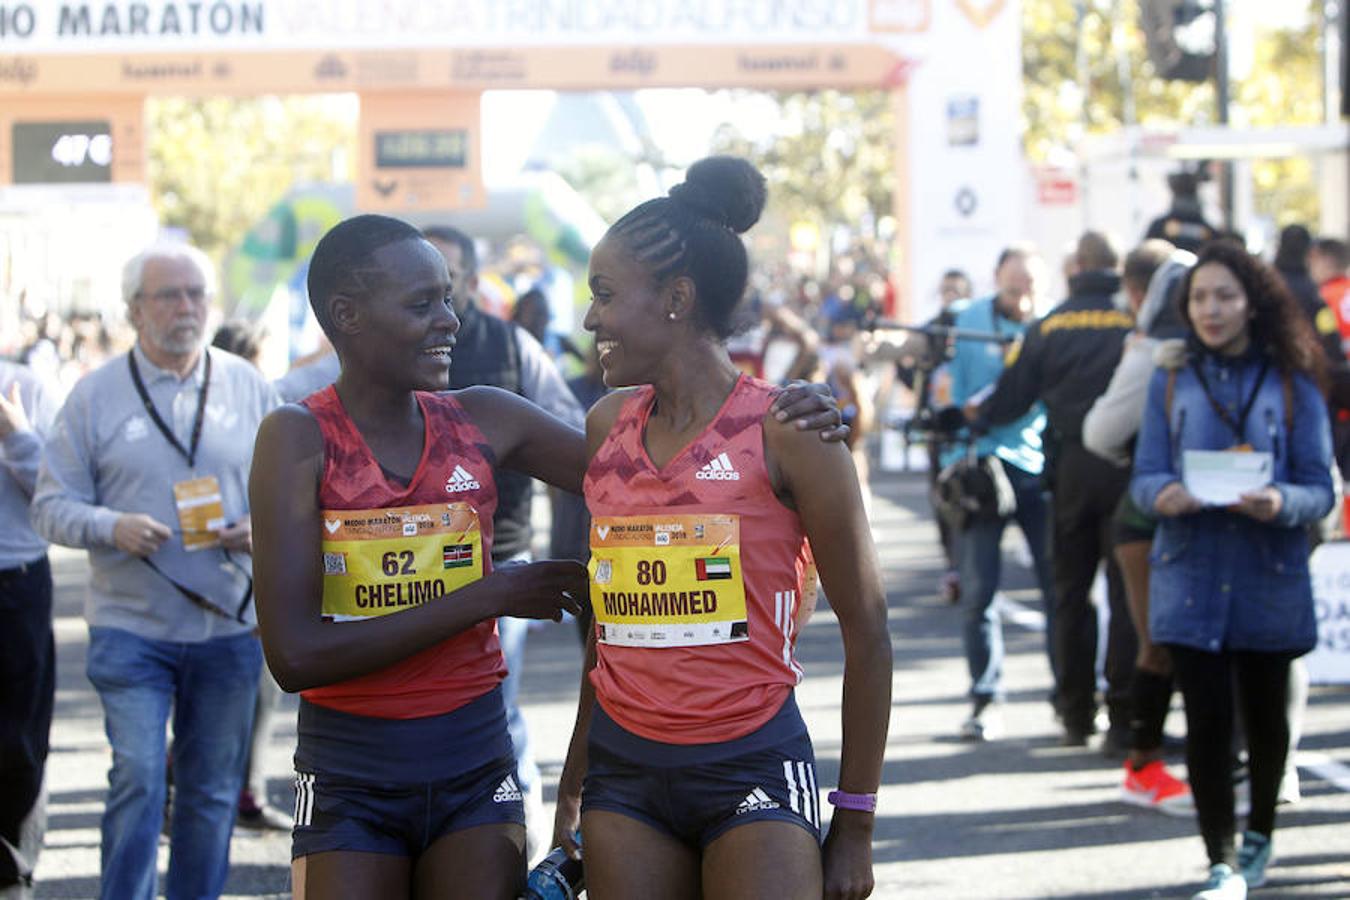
{"x": 395, "y": 786}
{"x": 696, "y": 793}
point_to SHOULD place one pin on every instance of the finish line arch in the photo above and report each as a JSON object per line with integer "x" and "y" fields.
{"x": 952, "y": 68}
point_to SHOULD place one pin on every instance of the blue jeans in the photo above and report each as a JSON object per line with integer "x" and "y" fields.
{"x": 211, "y": 688}
{"x": 981, "y": 565}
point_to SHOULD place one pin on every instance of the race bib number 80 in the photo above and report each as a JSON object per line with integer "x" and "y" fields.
{"x": 382, "y": 561}
{"x": 668, "y": 581}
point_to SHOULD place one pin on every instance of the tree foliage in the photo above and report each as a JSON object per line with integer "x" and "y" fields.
{"x": 830, "y": 160}
{"x": 217, "y": 165}
{"x": 606, "y": 178}
{"x": 1064, "y": 103}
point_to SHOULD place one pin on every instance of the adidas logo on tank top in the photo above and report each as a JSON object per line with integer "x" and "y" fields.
{"x": 718, "y": 469}
{"x": 461, "y": 480}
{"x": 755, "y": 801}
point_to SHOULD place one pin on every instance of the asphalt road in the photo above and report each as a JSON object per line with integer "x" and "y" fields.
{"x": 1018, "y": 818}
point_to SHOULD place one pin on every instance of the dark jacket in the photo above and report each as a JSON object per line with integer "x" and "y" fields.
{"x": 1066, "y": 359}
{"x": 1183, "y": 226}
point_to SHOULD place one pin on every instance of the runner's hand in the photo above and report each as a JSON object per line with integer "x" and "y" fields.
{"x": 566, "y": 822}
{"x": 139, "y": 535}
{"x": 543, "y": 590}
{"x": 848, "y": 856}
{"x": 1175, "y": 500}
{"x": 812, "y": 407}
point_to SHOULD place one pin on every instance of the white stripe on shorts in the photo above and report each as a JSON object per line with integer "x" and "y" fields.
{"x": 815, "y": 793}
{"x": 304, "y": 799}
{"x": 809, "y": 800}
{"x": 791, "y": 780}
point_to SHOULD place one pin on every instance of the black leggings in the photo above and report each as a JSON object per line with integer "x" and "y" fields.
{"x": 1208, "y": 681}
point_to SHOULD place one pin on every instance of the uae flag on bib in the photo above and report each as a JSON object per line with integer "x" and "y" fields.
{"x": 713, "y": 568}
{"x": 456, "y": 556}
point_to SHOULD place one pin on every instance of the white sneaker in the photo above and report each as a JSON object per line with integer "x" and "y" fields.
{"x": 985, "y": 724}
{"x": 1223, "y": 884}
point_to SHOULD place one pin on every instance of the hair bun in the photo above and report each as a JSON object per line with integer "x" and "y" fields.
{"x": 725, "y": 189}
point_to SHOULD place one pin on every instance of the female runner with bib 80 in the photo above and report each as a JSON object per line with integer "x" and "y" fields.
{"x": 690, "y": 769}
{"x": 373, "y": 503}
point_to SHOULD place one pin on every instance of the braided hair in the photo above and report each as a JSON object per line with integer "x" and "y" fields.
{"x": 694, "y": 233}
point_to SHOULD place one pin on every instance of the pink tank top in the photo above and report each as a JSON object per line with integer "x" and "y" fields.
{"x": 697, "y": 573}
{"x": 454, "y": 479}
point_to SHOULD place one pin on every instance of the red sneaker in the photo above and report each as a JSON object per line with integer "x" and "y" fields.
{"x": 1153, "y": 787}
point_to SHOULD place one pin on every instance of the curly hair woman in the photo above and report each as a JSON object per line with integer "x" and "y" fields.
{"x": 1231, "y": 597}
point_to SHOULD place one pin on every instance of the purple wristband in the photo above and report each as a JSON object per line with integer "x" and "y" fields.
{"x": 858, "y": 802}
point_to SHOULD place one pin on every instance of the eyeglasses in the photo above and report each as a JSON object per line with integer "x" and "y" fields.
{"x": 164, "y": 296}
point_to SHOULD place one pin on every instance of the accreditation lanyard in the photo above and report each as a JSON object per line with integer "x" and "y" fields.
{"x": 188, "y": 453}
{"x": 1239, "y": 425}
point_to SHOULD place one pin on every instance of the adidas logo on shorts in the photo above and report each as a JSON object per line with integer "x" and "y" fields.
{"x": 461, "y": 480}
{"x": 508, "y": 791}
{"x": 755, "y": 801}
{"x": 718, "y": 469}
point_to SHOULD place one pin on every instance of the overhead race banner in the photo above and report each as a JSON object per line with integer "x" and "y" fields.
{"x": 55, "y": 26}
{"x": 154, "y": 70}
{"x": 954, "y": 67}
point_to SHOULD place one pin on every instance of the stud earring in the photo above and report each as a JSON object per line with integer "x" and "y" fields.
{"x": 670, "y": 316}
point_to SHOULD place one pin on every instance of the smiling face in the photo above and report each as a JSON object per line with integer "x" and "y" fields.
{"x": 404, "y": 326}
{"x": 1219, "y": 310}
{"x": 627, "y": 315}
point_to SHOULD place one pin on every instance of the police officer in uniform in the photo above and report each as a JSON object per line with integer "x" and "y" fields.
{"x": 1066, "y": 361}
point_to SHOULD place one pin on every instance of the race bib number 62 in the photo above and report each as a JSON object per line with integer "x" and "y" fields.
{"x": 382, "y": 561}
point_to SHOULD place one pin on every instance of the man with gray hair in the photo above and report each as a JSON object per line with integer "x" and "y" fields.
{"x": 147, "y": 467}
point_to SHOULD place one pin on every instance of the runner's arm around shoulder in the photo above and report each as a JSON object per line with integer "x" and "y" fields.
{"x": 820, "y": 482}
{"x": 305, "y": 651}
{"x": 527, "y": 439}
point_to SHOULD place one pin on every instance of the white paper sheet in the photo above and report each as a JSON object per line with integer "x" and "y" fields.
{"x": 1221, "y": 477}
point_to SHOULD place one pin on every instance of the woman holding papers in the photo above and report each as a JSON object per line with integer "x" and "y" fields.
{"x": 1234, "y": 457}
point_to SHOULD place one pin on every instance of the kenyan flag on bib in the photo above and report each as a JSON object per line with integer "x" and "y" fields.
{"x": 713, "y": 568}
{"x": 457, "y": 556}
